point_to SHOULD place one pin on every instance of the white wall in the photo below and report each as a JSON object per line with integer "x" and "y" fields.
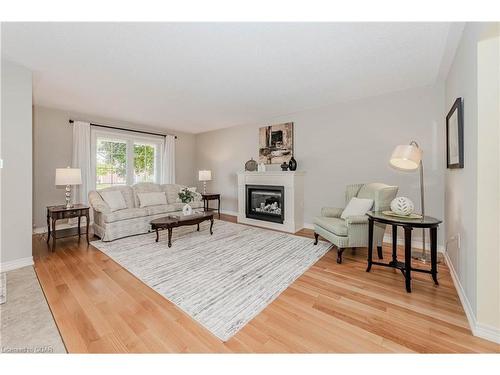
{"x": 488, "y": 184}
{"x": 342, "y": 144}
{"x": 471, "y": 193}
{"x": 16, "y": 180}
{"x": 53, "y": 148}
{"x": 460, "y": 184}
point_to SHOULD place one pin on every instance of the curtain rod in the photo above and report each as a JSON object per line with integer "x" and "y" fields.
{"x": 129, "y": 130}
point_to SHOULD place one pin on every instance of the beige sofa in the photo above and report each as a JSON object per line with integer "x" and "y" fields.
{"x": 134, "y": 220}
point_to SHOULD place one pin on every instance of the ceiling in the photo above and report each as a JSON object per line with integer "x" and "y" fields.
{"x": 196, "y": 77}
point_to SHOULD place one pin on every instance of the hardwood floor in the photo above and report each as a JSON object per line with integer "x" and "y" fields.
{"x": 99, "y": 307}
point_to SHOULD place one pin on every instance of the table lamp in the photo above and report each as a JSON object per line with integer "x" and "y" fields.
{"x": 205, "y": 176}
{"x": 409, "y": 158}
{"x": 68, "y": 176}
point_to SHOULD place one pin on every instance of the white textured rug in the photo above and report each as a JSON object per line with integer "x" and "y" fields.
{"x": 221, "y": 281}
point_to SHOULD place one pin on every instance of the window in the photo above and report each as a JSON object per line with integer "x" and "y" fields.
{"x": 111, "y": 163}
{"x": 124, "y": 158}
{"x": 144, "y": 162}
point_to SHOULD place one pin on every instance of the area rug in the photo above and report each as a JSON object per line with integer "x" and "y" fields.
{"x": 222, "y": 281}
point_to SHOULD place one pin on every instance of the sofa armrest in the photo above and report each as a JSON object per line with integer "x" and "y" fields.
{"x": 331, "y": 211}
{"x": 358, "y": 219}
{"x": 98, "y": 203}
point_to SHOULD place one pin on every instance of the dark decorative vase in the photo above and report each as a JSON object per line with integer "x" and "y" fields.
{"x": 284, "y": 166}
{"x": 292, "y": 164}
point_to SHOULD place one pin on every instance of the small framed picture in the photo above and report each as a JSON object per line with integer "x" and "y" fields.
{"x": 455, "y": 135}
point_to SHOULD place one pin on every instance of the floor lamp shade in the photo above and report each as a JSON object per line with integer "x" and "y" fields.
{"x": 68, "y": 176}
{"x": 409, "y": 158}
{"x": 406, "y": 157}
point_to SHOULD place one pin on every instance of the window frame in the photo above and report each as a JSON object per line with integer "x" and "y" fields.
{"x": 130, "y": 138}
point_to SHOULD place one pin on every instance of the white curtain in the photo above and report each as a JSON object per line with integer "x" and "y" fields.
{"x": 81, "y": 159}
{"x": 168, "y": 161}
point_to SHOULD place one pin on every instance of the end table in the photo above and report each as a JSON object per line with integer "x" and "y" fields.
{"x": 408, "y": 225}
{"x": 55, "y": 213}
{"x": 207, "y": 197}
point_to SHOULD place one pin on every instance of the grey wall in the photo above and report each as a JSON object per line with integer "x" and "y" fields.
{"x": 342, "y": 144}
{"x": 53, "y": 149}
{"x": 461, "y": 184}
{"x": 16, "y": 151}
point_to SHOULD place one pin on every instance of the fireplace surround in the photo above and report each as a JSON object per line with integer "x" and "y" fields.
{"x": 267, "y": 187}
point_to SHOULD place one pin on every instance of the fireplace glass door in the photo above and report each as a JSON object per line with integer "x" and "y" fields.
{"x": 265, "y": 202}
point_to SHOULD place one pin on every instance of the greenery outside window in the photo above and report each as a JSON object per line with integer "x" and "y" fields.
{"x": 124, "y": 158}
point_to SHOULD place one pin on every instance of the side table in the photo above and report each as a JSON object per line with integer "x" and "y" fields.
{"x": 55, "y": 213}
{"x": 207, "y": 197}
{"x": 408, "y": 225}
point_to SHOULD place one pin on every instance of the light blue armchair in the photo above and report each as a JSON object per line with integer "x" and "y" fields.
{"x": 353, "y": 231}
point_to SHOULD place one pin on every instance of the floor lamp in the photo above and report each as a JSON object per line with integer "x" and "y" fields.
{"x": 409, "y": 158}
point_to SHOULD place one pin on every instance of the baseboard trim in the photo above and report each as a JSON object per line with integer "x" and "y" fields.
{"x": 480, "y": 330}
{"x": 416, "y": 244}
{"x": 227, "y": 212}
{"x": 388, "y": 239}
{"x": 15, "y": 264}
{"x": 41, "y": 230}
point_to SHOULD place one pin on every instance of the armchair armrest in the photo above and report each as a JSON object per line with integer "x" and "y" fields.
{"x": 359, "y": 219}
{"x": 331, "y": 211}
{"x": 98, "y": 203}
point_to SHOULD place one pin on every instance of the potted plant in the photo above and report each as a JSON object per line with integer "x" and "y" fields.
{"x": 186, "y": 196}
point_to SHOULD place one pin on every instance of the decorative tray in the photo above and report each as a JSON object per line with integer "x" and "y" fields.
{"x": 410, "y": 216}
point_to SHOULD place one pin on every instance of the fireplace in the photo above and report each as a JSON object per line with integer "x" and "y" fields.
{"x": 265, "y": 202}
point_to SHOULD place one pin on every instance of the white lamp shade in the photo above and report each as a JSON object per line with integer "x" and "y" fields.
{"x": 406, "y": 157}
{"x": 68, "y": 176}
{"x": 204, "y": 175}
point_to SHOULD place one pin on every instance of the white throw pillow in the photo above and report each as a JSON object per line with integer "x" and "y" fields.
{"x": 114, "y": 199}
{"x": 356, "y": 207}
{"x": 152, "y": 199}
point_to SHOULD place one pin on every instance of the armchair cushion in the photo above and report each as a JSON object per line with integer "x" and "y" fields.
{"x": 357, "y": 207}
{"x": 359, "y": 219}
{"x": 331, "y": 211}
{"x": 332, "y": 224}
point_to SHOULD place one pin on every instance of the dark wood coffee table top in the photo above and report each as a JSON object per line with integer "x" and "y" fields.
{"x": 184, "y": 219}
{"x": 172, "y": 221}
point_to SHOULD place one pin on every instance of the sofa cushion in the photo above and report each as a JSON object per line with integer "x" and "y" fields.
{"x": 114, "y": 200}
{"x": 172, "y": 191}
{"x": 332, "y": 224}
{"x": 145, "y": 187}
{"x": 126, "y": 191}
{"x": 161, "y": 209}
{"x": 128, "y": 213}
{"x": 152, "y": 199}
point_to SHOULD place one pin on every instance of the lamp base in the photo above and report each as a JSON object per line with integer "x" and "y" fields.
{"x": 68, "y": 197}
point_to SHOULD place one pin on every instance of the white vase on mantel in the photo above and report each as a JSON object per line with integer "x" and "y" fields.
{"x": 261, "y": 167}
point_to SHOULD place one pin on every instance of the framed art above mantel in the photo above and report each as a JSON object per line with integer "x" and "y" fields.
{"x": 276, "y": 143}
{"x": 455, "y": 135}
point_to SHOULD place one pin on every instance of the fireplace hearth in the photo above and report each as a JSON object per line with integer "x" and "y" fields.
{"x": 265, "y": 202}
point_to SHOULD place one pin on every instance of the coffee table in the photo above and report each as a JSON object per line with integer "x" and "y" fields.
{"x": 173, "y": 221}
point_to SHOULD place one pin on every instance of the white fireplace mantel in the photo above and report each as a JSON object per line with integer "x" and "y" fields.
{"x": 293, "y": 183}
